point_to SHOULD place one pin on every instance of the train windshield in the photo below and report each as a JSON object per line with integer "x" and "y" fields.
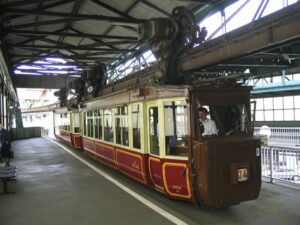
{"x": 224, "y": 120}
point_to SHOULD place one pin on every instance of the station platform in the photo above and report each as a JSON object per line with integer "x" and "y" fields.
{"x": 57, "y": 185}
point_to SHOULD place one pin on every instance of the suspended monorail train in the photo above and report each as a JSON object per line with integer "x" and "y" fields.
{"x": 152, "y": 134}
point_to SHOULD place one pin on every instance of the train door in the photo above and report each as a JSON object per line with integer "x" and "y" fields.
{"x": 75, "y": 122}
{"x": 174, "y": 154}
{"x": 154, "y": 126}
{"x": 75, "y": 131}
{"x": 167, "y": 130}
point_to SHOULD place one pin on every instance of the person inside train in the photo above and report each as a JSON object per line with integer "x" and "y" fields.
{"x": 207, "y": 126}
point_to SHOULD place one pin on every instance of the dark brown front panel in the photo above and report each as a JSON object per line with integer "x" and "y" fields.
{"x": 228, "y": 171}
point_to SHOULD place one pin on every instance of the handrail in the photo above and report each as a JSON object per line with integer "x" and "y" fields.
{"x": 281, "y": 164}
{"x": 282, "y": 136}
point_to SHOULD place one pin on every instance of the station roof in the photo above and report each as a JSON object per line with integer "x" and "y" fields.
{"x": 86, "y": 33}
{"x": 83, "y": 33}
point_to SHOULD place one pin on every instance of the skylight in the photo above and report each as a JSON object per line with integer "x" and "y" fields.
{"x": 240, "y": 13}
{"x": 59, "y": 60}
{"x": 27, "y": 73}
{"x": 48, "y": 66}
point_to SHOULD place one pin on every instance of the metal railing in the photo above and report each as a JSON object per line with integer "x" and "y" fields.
{"x": 281, "y": 163}
{"x": 281, "y": 136}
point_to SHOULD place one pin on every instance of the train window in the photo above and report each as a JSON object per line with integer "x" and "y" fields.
{"x": 176, "y": 128}
{"x": 84, "y": 124}
{"x": 125, "y": 137}
{"x": 121, "y": 110}
{"x": 231, "y": 119}
{"x": 136, "y": 127}
{"x": 61, "y": 127}
{"x": 90, "y": 127}
{"x": 76, "y": 122}
{"x": 57, "y": 123}
{"x": 121, "y": 122}
{"x": 98, "y": 124}
{"x": 65, "y": 122}
{"x": 96, "y": 113}
{"x": 96, "y": 128}
{"x": 67, "y": 128}
{"x": 108, "y": 125}
{"x": 153, "y": 130}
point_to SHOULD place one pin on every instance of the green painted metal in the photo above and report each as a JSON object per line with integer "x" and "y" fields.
{"x": 18, "y": 115}
{"x": 276, "y": 87}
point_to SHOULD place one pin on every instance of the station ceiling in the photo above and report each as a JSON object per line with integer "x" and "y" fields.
{"x": 87, "y": 33}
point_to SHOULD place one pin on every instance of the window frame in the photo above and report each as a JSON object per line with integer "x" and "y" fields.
{"x": 278, "y": 108}
{"x": 160, "y": 104}
{"x": 121, "y": 115}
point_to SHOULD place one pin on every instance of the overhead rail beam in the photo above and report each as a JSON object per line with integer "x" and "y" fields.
{"x": 252, "y": 65}
{"x": 98, "y": 40}
{"x": 72, "y": 47}
{"x": 112, "y": 9}
{"x": 119, "y": 20}
{"x": 43, "y": 7}
{"x": 65, "y": 57}
{"x": 31, "y": 32}
{"x": 78, "y": 4}
{"x": 43, "y": 23}
{"x": 28, "y": 2}
{"x": 265, "y": 34}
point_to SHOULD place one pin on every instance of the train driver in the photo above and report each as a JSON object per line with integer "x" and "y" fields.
{"x": 207, "y": 126}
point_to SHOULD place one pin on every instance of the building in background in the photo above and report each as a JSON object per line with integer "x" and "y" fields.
{"x": 34, "y": 107}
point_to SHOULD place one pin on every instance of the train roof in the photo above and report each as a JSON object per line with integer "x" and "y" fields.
{"x": 139, "y": 93}
{"x": 66, "y": 110}
{"x": 151, "y": 91}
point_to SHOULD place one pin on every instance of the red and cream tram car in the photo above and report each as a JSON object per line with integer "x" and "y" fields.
{"x": 67, "y": 126}
{"x": 151, "y": 133}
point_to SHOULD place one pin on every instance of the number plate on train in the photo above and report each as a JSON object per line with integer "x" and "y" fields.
{"x": 242, "y": 174}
